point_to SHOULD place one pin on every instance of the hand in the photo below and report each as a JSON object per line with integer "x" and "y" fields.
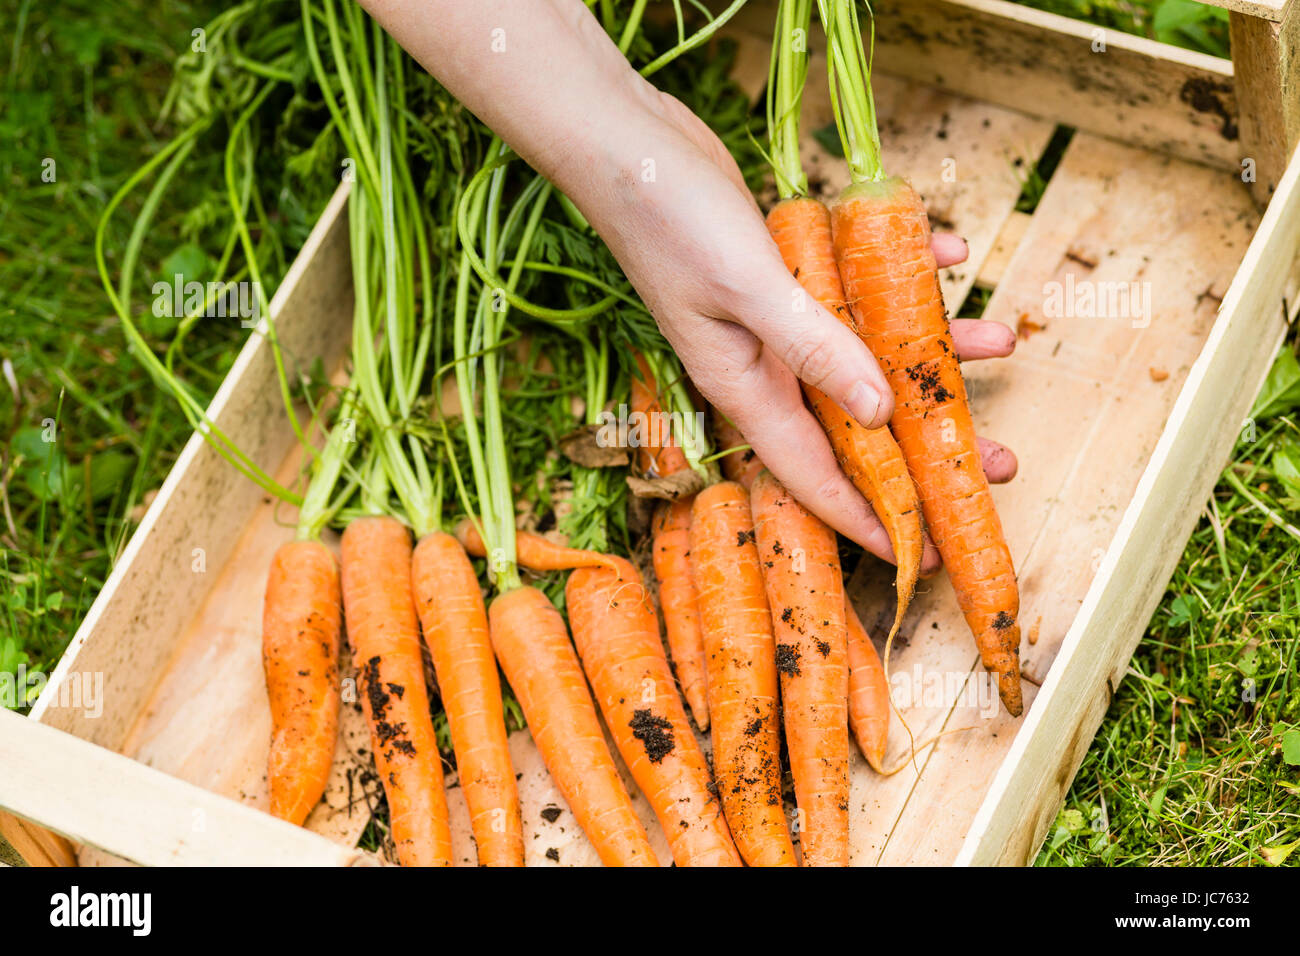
{"x": 697, "y": 250}
{"x": 668, "y": 199}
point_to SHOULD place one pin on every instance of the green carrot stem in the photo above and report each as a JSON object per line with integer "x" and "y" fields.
{"x": 190, "y": 406}
{"x": 632, "y": 25}
{"x": 849, "y": 74}
{"x": 698, "y": 38}
{"x": 250, "y": 254}
{"x": 317, "y": 508}
{"x": 786, "y": 76}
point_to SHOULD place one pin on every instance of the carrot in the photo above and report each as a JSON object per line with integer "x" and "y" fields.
{"x": 660, "y": 456}
{"x": 301, "y": 619}
{"x": 741, "y": 656}
{"x": 741, "y": 467}
{"x": 805, "y": 589}
{"x": 534, "y": 551}
{"x": 671, "y": 549}
{"x": 871, "y": 458}
{"x": 617, "y": 635}
{"x": 385, "y": 639}
{"x": 532, "y": 644}
{"x": 868, "y": 692}
{"x": 882, "y": 243}
{"x": 881, "y": 236}
{"x": 455, "y": 626}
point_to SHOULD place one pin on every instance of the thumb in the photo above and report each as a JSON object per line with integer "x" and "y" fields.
{"x": 818, "y": 347}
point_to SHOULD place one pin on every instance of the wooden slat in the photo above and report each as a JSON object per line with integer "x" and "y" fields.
{"x": 1004, "y": 247}
{"x": 1202, "y": 428}
{"x": 23, "y": 842}
{"x": 94, "y": 796}
{"x": 1266, "y": 59}
{"x": 1079, "y": 405}
{"x": 1264, "y": 9}
{"x": 1138, "y": 91}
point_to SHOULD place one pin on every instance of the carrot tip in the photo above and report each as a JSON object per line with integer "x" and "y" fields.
{"x": 1010, "y": 692}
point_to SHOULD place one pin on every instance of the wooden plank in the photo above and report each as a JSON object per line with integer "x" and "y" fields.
{"x": 1004, "y": 247}
{"x": 209, "y": 722}
{"x": 190, "y": 530}
{"x": 1137, "y": 91}
{"x": 1080, "y": 407}
{"x": 1202, "y": 428}
{"x": 1264, "y": 9}
{"x": 1266, "y": 59}
{"x": 552, "y": 836}
{"x": 22, "y": 842}
{"x": 94, "y": 796}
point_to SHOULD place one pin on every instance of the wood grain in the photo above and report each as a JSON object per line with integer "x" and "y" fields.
{"x": 1204, "y": 424}
{"x": 1266, "y": 58}
{"x": 1113, "y": 84}
{"x": 1078, "y": 404}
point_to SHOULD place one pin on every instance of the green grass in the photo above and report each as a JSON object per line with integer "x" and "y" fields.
{"x": 1192, "y": 764}
{"x": 1197, "y": 762}
{"x": 83, "y": 87}
{"x": 1198, "y": 759}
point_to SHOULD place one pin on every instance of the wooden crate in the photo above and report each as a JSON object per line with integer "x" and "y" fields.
{"x": 1121, "y": 425}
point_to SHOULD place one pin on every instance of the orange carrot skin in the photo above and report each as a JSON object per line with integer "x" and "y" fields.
{"x": 741, "y": 467}
{"x": 533, "y": 551}
{"x": 301, "y": 620}
{"x": 385, "y": 638}
{"x": 743, "y": 688}
{"x": 658, "y": 458}
{"x": 868, "y": 692}
{"x": 455, "y": 626}
{"x": 882, "y": 243}
{"x": 671, "y": 548}
{"x": 532, "y": 644}
{"x": 870, "y": 458}
{"x": 617, "y": 635}
{"x": 805, "y": 589}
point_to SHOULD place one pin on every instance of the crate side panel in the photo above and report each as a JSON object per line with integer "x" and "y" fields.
{"x": 1203, "y": 427}
{"x": 209, "y": 722}
{"x": 1107, "y": 82}
{"x": 98, "y": 798}
{"x": 1082, "y": 403}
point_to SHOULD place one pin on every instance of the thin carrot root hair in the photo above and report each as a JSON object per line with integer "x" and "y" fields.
{"x": 914, "y": 748}
{"x": 917, "y": 748}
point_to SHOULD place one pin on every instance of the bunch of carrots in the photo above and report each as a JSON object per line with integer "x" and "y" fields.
{"x": 759, "y": 641}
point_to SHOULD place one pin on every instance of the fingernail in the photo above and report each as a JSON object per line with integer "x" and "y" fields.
{"x": 863, "y": 403}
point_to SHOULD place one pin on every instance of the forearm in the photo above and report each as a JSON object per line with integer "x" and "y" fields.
{"x": 541, "y": 73}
